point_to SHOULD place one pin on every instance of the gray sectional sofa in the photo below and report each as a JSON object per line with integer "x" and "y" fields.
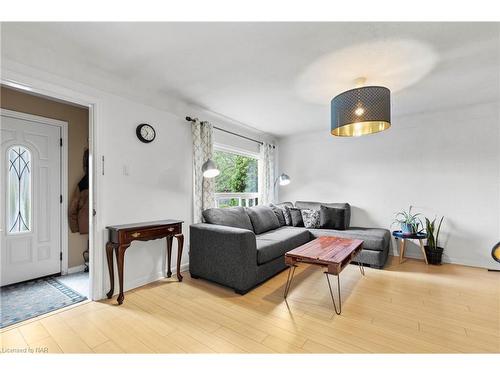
{"x": 247, "y": 246}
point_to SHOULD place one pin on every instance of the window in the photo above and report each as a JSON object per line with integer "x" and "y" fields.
{"x": 238, "y": 181}
{"x": 19, "y": 189}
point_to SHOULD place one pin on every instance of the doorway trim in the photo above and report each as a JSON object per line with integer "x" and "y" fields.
{"x": 63, "y": 207}
{"x": 44, "y": 87}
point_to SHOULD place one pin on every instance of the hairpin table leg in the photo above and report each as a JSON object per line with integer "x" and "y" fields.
{"x": 360, "y": 263}
{"x": 339, "y": 311}
{"x": 291, "y": 271}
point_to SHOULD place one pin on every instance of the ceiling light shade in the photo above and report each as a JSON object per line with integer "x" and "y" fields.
{"x": 360, "y": 111}
{"x": 209, "y": 169}
{"x": 284, "y": 179}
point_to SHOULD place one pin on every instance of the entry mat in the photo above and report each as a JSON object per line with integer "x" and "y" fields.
{"x": 28, "y": 299}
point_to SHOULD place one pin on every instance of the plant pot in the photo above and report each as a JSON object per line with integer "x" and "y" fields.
{"x": 434, "y": 256}
{"x": 407, "y": 228}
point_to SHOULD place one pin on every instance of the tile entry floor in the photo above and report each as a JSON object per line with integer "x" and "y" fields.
{"x": 78, "y": 281}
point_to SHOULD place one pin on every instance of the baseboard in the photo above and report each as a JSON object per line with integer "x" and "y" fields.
{"x": 466, "y": 262}
{"x": 449, "y": 260}
{"x": 76, "y": 269}
{"x": 132, "y": 284}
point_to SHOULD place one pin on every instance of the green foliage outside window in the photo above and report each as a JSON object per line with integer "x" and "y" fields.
{"x": 238, "y": 173}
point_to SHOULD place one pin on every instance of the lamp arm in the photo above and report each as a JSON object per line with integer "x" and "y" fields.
{"x": 276, "y": 180}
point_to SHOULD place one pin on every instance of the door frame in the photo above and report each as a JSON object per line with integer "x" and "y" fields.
{"x": 54, "y": 91}
{"x": 63, "y": 183}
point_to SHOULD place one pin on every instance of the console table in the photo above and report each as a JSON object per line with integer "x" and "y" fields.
{"x": 121, "y": 236}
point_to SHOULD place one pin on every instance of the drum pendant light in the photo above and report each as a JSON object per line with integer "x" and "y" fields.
{"x": 361, "y": 111}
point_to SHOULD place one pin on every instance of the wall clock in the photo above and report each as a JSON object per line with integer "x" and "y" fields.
{"x": 145, "y": 133}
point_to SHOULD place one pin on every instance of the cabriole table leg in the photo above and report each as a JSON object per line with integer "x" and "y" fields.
{"x": 180, "y": 243}
{"x": 120, "y": 260}
{"x": 109, "y": 256}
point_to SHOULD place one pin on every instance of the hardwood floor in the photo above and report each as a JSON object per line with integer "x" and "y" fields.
{"x": 407, "y": 308}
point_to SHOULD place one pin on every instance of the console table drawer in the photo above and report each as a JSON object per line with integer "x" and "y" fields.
{"x": 151, "y": 233}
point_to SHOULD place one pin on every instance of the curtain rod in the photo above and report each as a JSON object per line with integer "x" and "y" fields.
{"x": 190, "y": 119}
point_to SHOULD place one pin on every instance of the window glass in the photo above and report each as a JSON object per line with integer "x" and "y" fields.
{"x": 19, "y": 189}
{"x": 238, "y": 181}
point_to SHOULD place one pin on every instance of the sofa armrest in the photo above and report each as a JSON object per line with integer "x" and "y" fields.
{"x": 223, "y": 254}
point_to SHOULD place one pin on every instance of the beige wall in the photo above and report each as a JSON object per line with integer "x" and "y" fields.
{"x": 77, "y": 119}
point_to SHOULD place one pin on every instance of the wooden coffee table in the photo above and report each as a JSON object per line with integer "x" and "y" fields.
{"x": 334, "y": 253}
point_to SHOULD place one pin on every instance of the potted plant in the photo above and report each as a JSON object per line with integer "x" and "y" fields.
{"x": 432, "y": 250}
{"x": 409, "y": 223}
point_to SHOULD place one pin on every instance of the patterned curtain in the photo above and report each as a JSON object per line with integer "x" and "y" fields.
{"x": 266, "y": 187}
{"x": 203, "y": 190}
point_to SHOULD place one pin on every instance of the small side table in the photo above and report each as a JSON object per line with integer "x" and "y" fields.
{"x": 404, "y": 237}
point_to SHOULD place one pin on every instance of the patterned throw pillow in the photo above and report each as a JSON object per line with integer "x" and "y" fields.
{"x": 286, "y": 212}
{"x": 311, "y": 218}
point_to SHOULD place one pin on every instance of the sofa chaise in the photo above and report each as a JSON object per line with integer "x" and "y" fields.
{"x": 242, "y": 247}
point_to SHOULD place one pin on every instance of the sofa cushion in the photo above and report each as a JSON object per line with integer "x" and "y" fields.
{"x": 230, "y": 217}
{"x": 263, "y": 219}
{"x": 286, "y": 212}
{"x": 310, "y": 218}
{"x": 373, "y": 238}
{"x": 332, "y": 218}
{"x": 276, "y": 243}
{"x": 296, "y": 216}
{"x": 317, "y": 206}
{"x": 279, "y": 214}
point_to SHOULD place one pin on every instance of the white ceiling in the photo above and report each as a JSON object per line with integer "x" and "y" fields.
{"x": 265, "y": 75}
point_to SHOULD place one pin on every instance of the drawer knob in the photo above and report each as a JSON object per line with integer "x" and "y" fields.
{"x": 136, "y": 234}
{"x": 171, "y": 229}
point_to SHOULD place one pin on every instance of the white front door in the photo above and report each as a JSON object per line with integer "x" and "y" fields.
{"x": 30, "y": 197}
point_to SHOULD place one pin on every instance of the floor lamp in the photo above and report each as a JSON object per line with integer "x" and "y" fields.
{"x": 283, "y": 179}
{"x": 209, "y": 170}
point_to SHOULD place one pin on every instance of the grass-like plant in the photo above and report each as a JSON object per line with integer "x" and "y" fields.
{"x": 432, "y": 233}
{"x": 409, "y": 220}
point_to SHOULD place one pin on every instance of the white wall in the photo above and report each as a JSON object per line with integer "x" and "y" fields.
{"x": 238, "y": 143}
{"x": 444, "y": 163}
{"x": 159, "y": 184}
{"x": 226, "y": 139}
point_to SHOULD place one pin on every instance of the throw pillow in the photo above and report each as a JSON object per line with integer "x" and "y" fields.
{"x": 231, "y": 217}
{"x": 332, "y": 218}
{"x": 296, "y": 217}
{"x": 310, "y": 218}
{"x": 303, "y": 205}
{"x": 286, "y": 212}
{"x": 279, "y": 214}
{"x": 263, "y": 219}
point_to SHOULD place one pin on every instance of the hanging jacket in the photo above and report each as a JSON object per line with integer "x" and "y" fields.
{"x": 79, "y": 208}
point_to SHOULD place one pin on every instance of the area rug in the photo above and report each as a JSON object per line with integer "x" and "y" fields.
{"x": 26, "y": 300}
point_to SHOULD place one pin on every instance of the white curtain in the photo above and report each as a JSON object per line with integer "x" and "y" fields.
{"x": 203, "y": 190}
{"x": 266, "y": 187}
